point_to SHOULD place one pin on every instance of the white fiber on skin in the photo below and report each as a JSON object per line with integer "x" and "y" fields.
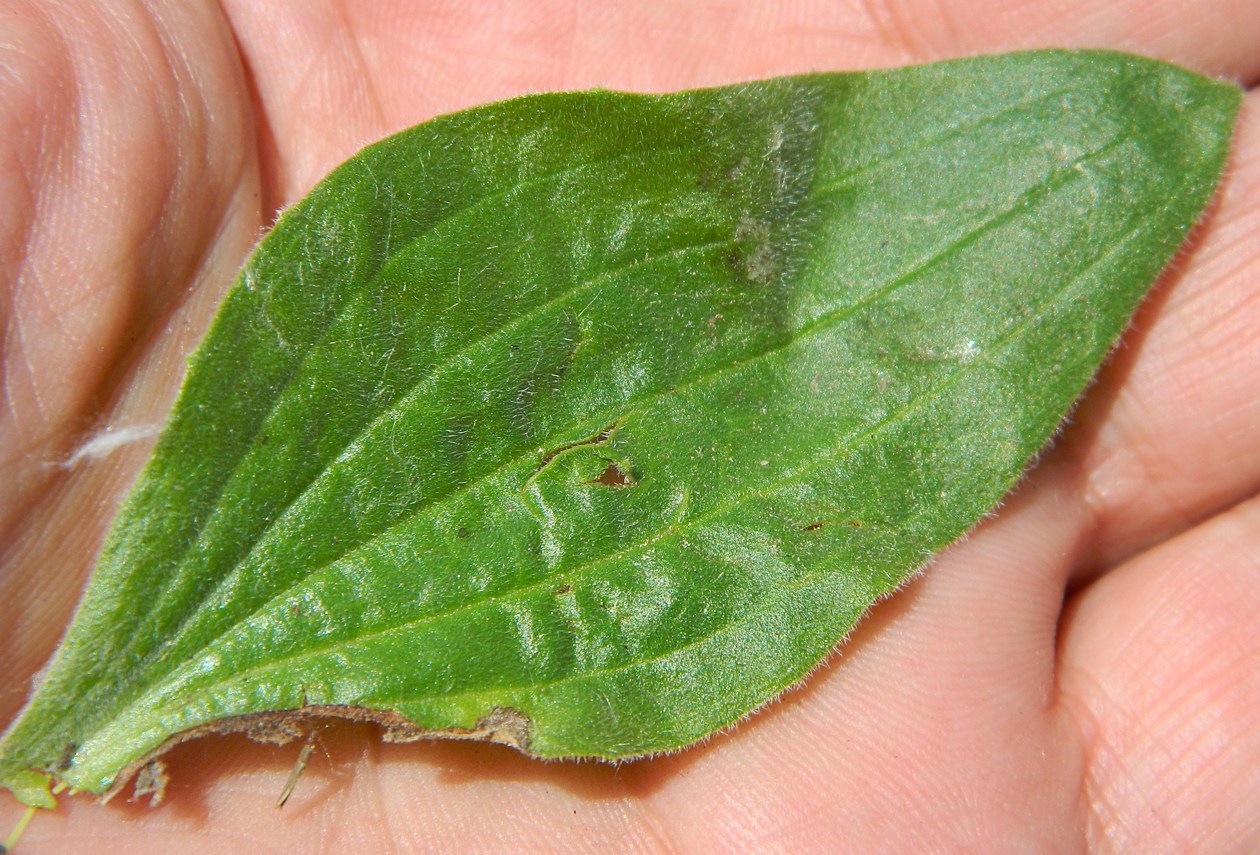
{"x": 105, "y": 442}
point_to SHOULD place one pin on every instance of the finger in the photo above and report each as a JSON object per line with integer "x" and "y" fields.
{"x": 1215, "y": 36}
{"x": 132, "y": 201}
{"x": 1170, "y": 435}
{"x": 105, "y": 138}
{"x": 1159, "y": 670}
{"x": 332, "y": 77}
{"x": 967, "y": 650}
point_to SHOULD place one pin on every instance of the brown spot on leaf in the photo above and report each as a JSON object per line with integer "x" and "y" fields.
{"x": 758, "y": 260}
{"x": 817, "y": 524}
{"x": 598, "y": 439}
{"x": 67, "y": 756}
{"x": 613, "y": 476}
{"x": 151, "y": 781}
{"x": 712, "y": 324}
{"x": 504, "y": 725}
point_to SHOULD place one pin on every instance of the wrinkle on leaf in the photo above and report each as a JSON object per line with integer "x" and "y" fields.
{"x": 596, "y": 440}
{"x": 589, "y": 422}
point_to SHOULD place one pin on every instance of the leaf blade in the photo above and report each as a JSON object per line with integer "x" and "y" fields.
{"x": 745, "y": 333}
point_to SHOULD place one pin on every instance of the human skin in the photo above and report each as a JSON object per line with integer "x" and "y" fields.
{"x": 1078, "y": 674}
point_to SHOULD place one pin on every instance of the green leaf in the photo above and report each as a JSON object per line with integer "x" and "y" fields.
{"x": 589, "y": 422}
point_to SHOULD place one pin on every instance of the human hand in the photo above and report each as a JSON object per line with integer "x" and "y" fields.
{"x": 1081, "y": 671}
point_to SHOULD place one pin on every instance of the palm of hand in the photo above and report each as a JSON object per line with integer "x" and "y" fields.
{"x": 974, "y": 711}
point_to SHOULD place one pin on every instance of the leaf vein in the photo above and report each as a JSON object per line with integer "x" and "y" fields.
{"x": 407, "y": 399}
{"x": 172, "y": 582}
{"x": 1011, "y": 336}
{"x": 1068, "y": 173}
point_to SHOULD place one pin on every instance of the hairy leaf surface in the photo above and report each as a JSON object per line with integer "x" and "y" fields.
{"x": 589, "y": 422}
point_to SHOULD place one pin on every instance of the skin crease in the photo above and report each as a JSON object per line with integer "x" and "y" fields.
{"x": 1078, "y": 674}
